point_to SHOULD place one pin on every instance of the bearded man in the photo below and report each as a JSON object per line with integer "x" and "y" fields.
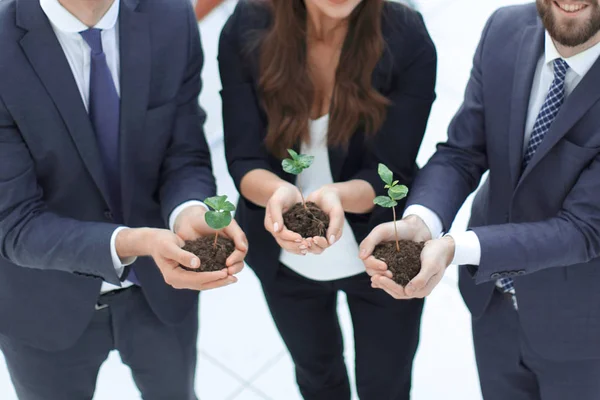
{"x": 530, "y": 260}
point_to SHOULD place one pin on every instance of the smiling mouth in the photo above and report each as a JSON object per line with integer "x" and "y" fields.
{"x": 570, "y": 8}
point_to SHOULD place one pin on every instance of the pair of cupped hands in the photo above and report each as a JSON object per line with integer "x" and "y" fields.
{"x": 435, "y": 258}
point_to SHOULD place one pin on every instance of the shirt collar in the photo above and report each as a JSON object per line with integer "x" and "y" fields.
{"x": 580, "y": 63}
{"x": 64, "y": 21}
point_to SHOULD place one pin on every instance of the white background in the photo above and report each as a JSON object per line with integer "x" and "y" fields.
{"x": 241, "y": 355}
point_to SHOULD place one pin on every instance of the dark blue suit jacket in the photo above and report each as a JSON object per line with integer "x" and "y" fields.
{"x": 540, "y": 227}
{"x": 405, "y": 74}
{"x": 55, "y": 222}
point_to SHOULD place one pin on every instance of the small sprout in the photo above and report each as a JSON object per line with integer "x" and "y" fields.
{"x": 395, "y": 193}
{"x": 297, "y": 164}
{"x": 219, "y": 216}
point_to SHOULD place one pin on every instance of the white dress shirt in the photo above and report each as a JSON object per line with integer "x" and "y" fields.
{"x": 341, "y": 259}
{"x": 77, "y": 52}
{"x": 468, "y": 248}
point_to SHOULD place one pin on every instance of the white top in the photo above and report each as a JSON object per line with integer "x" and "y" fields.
{"x": 468, "y": 248}
{"x": 340, "y": 260}
{"x": 78, "y": 53}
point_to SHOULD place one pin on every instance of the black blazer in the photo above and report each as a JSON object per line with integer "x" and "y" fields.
{"x": 406, "y": 75}
{"x": 55, "y": 219}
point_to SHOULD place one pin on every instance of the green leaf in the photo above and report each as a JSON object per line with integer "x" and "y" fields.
{"x": 386, "y": 175}
{"x": 293, "y": 154}
{"x": 384, "y": 201}
{"x": 291, "y": 167}
{"x": 216, "y": 203}
{"x": 395, "y": 183}
{"x": 227, "y": 206}
{"x": 217, "y": 219}
{"x": 305, "y": 161}
{"x": 398, "y": 192}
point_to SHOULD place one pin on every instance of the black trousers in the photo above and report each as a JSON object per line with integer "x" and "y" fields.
{"x": 162, "y": 358}
{"x": 386, "y": 335}
{"x": 509, "y": 369}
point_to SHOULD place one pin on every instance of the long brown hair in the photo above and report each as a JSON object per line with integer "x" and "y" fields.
{"x": 286, "y": 88}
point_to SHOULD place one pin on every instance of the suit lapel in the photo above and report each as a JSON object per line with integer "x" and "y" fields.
{"x": 530, "y": 51}
{"x": 135, "y": 54}
{"x": 574, "y": 108}
{"x": 47, "y": 58}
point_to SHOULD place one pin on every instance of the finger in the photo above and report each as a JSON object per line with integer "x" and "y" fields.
{"x": 375, "y": 272}
{"x": 375, "y": 264}
{"x": 336, "y": 225}
{"x": 268, "y": 220}
{"x": 428, "y": 289}
{"x": 291, "y": 247}
{"x": 235, "y": 258}
{"x": 320, "y": 242}
{"x": 182, "y": 279}
{"x": 419, "y": 282}
{"x": 220, "y": 283}
{"x": 316, "y": 250}
{"x": 173, "y": 252}
{"x": 392, "y": 288}
{"x": 276, "y": 214}
{"x": 287, "y": 235}
{"x": 377, "y": 235}
{"x": 235, "y": 268}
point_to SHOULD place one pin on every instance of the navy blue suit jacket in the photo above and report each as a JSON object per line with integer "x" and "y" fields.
{"x": 55, "y": 222}
{"x": 541, "y": 226}
{"x": 405, "y": 74}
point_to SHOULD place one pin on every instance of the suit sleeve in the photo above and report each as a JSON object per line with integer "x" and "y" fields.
{"x": 571, "y": 237}
{"x": 456, "y": 168}
{"x": 398, "y": 142}
{"x": 244, "y": 127}
{"x": 33, "y": 236}
{"x": 186, "y": 172}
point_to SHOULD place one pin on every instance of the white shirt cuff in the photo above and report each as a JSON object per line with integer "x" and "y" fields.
{"x": 119, "y": 263}
{"x": 180, "y": 208}
{"x": 467, "y": 249}
{"x": 433, "y": 222}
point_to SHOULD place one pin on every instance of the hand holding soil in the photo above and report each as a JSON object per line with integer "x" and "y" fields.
{"x": 304, "y": 218}
{"x": 328, "y": 200}
{"x": 220, "y": 243}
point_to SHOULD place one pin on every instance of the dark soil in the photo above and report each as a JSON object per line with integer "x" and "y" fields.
{"x": 405, "y": 264}
{"x": 308, "y": 222}
{"x": 211, "y": 258}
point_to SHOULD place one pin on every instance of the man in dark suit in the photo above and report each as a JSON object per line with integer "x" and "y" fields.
{"x": 531, "y": 117}
{"x": 101, "y": 149}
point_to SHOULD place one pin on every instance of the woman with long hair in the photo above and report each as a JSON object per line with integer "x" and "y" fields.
{"x": 350, "y": 82}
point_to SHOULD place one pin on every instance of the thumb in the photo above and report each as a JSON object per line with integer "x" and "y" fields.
{"x": 336, "y": 225}
{"x": 238, "y": 236}
{"x": 368, "y": 244}
{"x": 276, "y": 214}
{"x": 185, "y": 258}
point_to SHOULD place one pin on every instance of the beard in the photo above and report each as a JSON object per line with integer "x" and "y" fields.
{"x": 572, "y": 33}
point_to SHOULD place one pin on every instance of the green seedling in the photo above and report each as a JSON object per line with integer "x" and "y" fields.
{"x": 395, "y": 193}
{"x": 297, "y": 164}
{"x": 219, "y": 216}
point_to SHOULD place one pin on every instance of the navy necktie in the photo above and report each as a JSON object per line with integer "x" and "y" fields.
{"x": 104, "y": 111}
{"x": 550, "y": 108}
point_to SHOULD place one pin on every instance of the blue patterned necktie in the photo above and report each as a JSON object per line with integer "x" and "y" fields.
{"x": 550, "y": 108}
{"x": 104, "y": 111}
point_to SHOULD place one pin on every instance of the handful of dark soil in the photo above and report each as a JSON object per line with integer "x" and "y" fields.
{"x": 211, "y": 258}
{"x": 404, "y": 264}
{"x": 309, "y": 221}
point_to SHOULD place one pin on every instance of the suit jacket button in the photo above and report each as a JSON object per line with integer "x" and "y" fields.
{"x": 495, "y": 275}
{"x": 521, "y": 272}
{"x": 504, "y": 274}
{"x": 108, "y": 215}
